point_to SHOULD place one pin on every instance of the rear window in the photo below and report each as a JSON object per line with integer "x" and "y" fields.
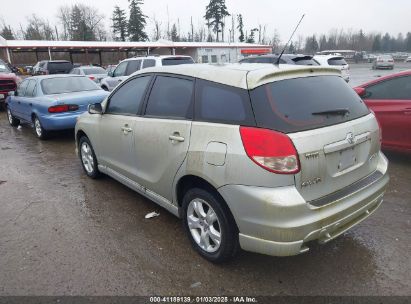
{"x": 337, "y": 61}
{"x": 296, "y": 105}
{"x": 177, "y": 60}
{"x": 67, "y": 85}
{"x": 305, "y": 61}
{"x": 94, "y": 71}
{"x": 259, "y": 60}
{"x": 60, "y": 66}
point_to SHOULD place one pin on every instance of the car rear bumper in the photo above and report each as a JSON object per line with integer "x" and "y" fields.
{"x": 279, "y": 222}
{"x": 62, "y": 121}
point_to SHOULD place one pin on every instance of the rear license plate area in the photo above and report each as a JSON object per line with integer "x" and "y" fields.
{"x": 347, "y": 159}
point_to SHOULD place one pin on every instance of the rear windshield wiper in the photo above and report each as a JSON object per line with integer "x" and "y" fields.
{"x": 342, "y": 112}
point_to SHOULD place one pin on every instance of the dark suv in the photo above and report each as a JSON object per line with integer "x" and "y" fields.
{"x": 285, "y": 59}
{"x": 47, "y": 67}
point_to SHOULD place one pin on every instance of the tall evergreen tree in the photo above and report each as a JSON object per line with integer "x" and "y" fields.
{"x": 408, "y": 42}
{"x": 137, "y": 21}
{"x": 240, "y": 28}
{"x": 386, "y": 43}
{"x": 120, "y": 24}
{"x": 80, "y": 30}
{"x": 174, "y": 33}
{"x": 216, "y": 10}
{"x": 376, "y": 45}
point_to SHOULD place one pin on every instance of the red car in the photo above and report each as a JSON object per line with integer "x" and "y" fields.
{"x": 8, "y": 81}
{"x": 389, "y": 98}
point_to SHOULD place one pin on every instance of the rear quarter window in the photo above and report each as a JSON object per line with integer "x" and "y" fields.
{"x": 293, "y": 105}
{"x": 222, "y": 104}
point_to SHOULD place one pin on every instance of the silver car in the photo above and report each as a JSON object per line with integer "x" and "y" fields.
{"x": 254, "y": 156}
{"x": 383, "y": 62}
{"x": 95, "y": 73}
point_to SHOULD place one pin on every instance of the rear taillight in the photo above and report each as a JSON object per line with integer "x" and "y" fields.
{"x": 271, "y": 150}
{"x": 63, "y": 108}
{"x": 379, "y": 126}
{"x": 92, "y": 77}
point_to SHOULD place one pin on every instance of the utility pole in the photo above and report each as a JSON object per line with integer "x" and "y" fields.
{"x": 192, "y": 30}
{"x": 232, "y": 28}
{"x": 168, "y": 25}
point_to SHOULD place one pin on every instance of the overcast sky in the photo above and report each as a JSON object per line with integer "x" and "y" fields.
{"x": 321, "y": 15}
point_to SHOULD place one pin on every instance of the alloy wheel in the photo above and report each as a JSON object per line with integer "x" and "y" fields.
{"x": 204, "y": 225}
{"x": 87, "y": 157}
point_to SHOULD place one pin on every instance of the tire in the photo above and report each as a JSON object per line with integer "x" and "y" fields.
{"x": 88, "y": 158}
{"x": 40, "y": 132}
{"x": 207, "y": 221}
{"x": 13, "y": 121}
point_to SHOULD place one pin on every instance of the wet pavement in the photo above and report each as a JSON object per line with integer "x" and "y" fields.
{"x": 362, "y": 73}
{"x": 62, "y": 233}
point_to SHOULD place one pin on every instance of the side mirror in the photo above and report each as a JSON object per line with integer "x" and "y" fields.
{"x": 110, "y": 74}
{"x": 362, "y": 92}
{"x": 12, "y": 93}
{"x": 95, "y": 108}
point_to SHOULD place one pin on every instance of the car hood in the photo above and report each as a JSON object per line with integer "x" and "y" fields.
{"x": 8, "y": 76}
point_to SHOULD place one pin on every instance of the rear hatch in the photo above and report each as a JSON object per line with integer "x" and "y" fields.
{"x": 335, "y": 135}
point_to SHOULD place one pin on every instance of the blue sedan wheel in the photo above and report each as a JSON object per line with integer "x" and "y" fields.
{"x": 14, "y": 122}
{"x": 39, "y": 130}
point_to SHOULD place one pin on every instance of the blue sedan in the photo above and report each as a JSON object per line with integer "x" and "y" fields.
{"x": 52, "y": 102}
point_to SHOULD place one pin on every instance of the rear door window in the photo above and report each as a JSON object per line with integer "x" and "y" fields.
{"x": 128, "y": 98}
{"x": 302, "y": 104}
{"x": 222, "y": 104}
{"x": 171, "y": 97}
{"x": 133, "y": 66}
{"x": 148, "y": 63}
{"x": 397, "y": 88}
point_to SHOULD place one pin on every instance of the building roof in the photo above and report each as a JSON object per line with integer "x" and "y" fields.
{"x": 118, "y": 44}
{"x": 246, "y": 76}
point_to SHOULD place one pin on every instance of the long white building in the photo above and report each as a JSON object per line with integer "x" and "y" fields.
{"x": 28, "y": 52}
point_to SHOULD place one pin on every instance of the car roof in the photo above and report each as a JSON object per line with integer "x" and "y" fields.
{"x": 246, "y": 76}
{"x": 157, "y": 57}
{"x": 41, "y": 77}
{"x": 89, "y": 67}
{"x": 383, "y": 78}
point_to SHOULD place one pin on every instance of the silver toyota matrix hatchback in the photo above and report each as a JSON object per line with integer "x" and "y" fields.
{"x": 260, "y": 157}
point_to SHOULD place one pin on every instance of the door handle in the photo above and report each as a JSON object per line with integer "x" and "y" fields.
{"x": 176, "y": 137}
{"x": 30, "y": 104}
{"x": 126, "y": 130}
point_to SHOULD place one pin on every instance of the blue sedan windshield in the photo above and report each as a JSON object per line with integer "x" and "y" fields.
{"x": 67, "y": 85}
